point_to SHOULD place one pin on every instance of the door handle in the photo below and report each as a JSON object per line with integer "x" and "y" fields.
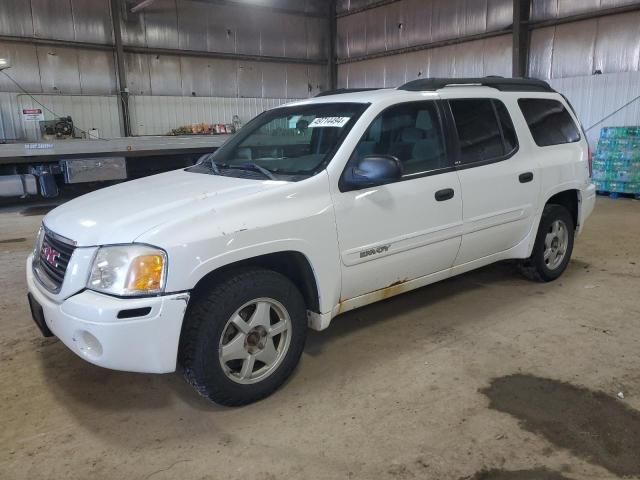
{"x": 445, "y": 194}
{"x": 526, "y": 177}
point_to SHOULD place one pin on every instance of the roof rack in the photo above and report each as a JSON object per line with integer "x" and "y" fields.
{"x": 499, "y": 83}
{"x": 338, "y": 91}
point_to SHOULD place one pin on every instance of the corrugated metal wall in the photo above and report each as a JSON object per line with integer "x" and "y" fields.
{"x": 491, "y": 56}
{"x": 192, "y": 25}
{"x": 87, "y": 111}
{"x": 596, "y": 96}
{"x": 416, "y": 22}
{"x": 609, "y": 44}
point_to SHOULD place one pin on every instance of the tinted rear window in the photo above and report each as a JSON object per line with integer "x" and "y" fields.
{"x": 485, "y": 130}
{"x": 549, "y": 121}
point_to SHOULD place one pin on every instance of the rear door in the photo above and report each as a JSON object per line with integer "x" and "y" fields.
{"x": 499, "y": 180}
{"x": 409, "y": 228}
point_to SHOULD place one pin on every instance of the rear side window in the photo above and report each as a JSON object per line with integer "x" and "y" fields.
{"x": 508, "y": 130}
{"x": 549, "y": 121}
{"x": 485, "y": 130}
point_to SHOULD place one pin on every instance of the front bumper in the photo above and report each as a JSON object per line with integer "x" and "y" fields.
{"x": 88, "y": 324}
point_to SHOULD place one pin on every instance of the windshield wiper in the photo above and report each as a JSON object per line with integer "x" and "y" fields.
{"x": 207, "y": 160}
{"x": 251, "y": 166}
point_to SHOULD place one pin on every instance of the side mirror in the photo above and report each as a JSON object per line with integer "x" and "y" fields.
{"x": 372, "y": 170}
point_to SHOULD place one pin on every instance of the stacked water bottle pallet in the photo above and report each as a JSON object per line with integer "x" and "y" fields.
{"x": 616, "y": 164}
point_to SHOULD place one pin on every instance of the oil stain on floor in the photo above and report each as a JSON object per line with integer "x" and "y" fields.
{"x": 535, "y": 474}
{"x": 592, "y": 425}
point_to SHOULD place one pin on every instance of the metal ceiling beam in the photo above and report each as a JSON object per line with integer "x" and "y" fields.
{"x": 55, "y": 43}
{"x": 291, "y": 11}
{"x": 605, "y": 12}
{"x": 163, "y": 51}
{"x": 222, "y": 55}
{"x": 121, "y": 70}
{"x": 520, "y": 61}
{"x": 380, "y": 3}
{"x": 141, "y": 5}
{"x": 425, "y": 46}
{"x": 332, "y": 66}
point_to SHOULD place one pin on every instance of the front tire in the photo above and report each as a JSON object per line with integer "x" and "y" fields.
{"x": 243, "y": 337}
{"x": 553, "y": 248}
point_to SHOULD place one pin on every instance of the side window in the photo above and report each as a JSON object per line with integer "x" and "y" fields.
{"x": 508, "y": 130}
{"x": 549, "y": 121}
{"x": 478, "y": 130}
{"x": 411, "y": 132}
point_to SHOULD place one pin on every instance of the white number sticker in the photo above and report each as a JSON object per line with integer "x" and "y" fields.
{"x": 329, "y": 122}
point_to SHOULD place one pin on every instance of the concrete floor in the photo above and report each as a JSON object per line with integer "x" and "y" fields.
{"x": 389, "y": 391}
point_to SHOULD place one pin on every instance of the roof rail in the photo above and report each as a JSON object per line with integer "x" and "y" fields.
{"x": 499, "y": 83}
{"x": 338, "y": 91}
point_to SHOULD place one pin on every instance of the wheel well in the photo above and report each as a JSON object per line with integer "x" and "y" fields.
{"x": 569, "y": 200}
{"x": 293, "y": 265}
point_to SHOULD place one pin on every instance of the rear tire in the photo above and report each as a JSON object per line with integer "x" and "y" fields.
{"x": 243, "y": 337}
{"x": 553, "y": 247}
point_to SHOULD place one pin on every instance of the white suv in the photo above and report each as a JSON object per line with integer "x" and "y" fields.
{"x": 312, "y": 209}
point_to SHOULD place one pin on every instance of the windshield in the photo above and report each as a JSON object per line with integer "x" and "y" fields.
{"x": 288, "y": 143}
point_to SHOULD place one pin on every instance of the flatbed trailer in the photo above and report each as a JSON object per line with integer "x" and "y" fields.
{"x": 44, "y": 168}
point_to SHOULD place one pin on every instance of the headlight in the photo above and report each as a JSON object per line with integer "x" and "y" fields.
{"x": 128, "y": 270}
{"x": 38, "y": 245}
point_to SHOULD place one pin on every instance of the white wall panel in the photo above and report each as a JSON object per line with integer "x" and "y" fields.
{"x": 617, "y": 46}
{"x": 498, "y": 55}
{"x": 138, "y": 79}
{"x": 418, "y": 29}
{"x": 573, "y": 49}
{"x": 24, "y": 67}
{"x": 97, "y": 72}
{"x": 499, "y": 14}
{"x": 609, "y": 44}
{"x": 15, "y": 18}
{"x": 92, "y": 21}
{"x": 197, "y": 77}
{"x": 541, "y": 52}
{"x": 596, "y": 96}
{"x": 164, "y": 72}
{"x": 52, "y": 19}
{"x": 87, "y": 111}
{"x": 317, "y": 38}
{"x": 161, "y": 24}
{"x": 225, "y": 78}
{"x": 549, "y": 9}
{"x": 59, "y": 70}
{"x": 10, "y": 121}
{"x": 192, "y": 25}
{"x": 395, "y": 70}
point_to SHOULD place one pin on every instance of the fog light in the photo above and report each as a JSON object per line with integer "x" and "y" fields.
{"x": 88, "y": 344}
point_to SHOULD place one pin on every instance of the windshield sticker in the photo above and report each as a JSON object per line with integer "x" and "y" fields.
{"x": 329, "y": 122}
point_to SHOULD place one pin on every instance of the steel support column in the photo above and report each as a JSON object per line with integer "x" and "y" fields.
{"x": 332, "y": 66}
{"x": 123, "y": 89}
{"x": 521, "y": 12}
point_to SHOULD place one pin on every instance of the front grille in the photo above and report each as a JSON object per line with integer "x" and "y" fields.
{"x": 53, "y": 260}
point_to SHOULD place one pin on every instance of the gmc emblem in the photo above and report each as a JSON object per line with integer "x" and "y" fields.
{"x": 50, "y": 255}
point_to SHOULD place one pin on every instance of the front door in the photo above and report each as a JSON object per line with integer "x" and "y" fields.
{"x": 409, "y": 228}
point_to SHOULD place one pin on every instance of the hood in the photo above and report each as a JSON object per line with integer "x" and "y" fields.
{"x": 122, "y": 213}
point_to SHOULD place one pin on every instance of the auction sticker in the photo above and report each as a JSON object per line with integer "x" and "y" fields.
{"x": 329, "y": 122}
